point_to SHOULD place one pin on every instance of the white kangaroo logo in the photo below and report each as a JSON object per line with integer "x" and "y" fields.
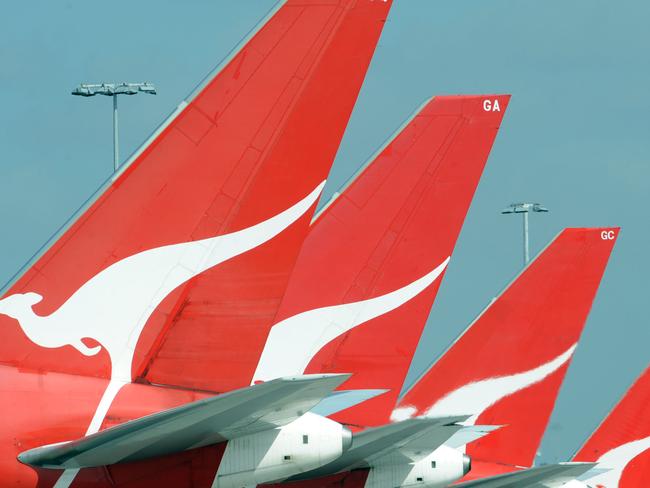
{"x": 476, "y": 397}
{"x": 314, "y": 329}
{"x": 616, "y": 460}
{"x": 114, "y": 305}
{"x": 19, "y": 307}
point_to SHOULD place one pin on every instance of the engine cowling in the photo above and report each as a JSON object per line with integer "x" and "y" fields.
{"x": 440, "y": 468}
{"x": 274, "y": 455}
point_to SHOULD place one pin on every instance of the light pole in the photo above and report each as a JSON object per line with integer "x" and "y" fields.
{"x": 113, "y": 90}
{"x": 524, "y": 208}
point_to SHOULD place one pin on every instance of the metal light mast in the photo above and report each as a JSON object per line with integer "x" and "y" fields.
{"x": 113, "y": 90}
{"x": 524, "y": 209}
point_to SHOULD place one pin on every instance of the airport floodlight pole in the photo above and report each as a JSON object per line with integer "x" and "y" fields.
{"x": 524, "y": 209}
{"x": 113, "y": 90}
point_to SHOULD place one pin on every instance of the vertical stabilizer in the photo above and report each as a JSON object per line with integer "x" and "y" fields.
{"x": 507, "y": 367}
{"x": 174, "y": 273}
{"x": 621, "y": 444}
{"x": 372, "y": 263}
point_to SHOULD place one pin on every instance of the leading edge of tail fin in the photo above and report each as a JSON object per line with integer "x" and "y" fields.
{"x": 369, "y": 269}
{"x": 228, "y": 167}
{"x": 507, "y": 367}
{"x": 621, "y": 443}
{"x": 151, "y": 138}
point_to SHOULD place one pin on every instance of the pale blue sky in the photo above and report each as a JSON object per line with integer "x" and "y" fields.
{"x": 576, "y": 138}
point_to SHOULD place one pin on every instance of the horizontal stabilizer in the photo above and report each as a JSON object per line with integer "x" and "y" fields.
{"x": 592, "y": 473}
{"x": 372, "y": 445}
{"x": 551, "y": 476}
{"x": 209, "y": 421}
{"x": 344, "y": 399}
{"x": 470, "y": 433}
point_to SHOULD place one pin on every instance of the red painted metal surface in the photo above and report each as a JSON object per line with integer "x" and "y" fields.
{"x": 395, "y": 223}
{"x": 629, "y": 421}
{"x": 536, "y": 319}
{"x": 189, "y": 469}
{"x": 41, "y": 409}
{"x": 258, "y": 138}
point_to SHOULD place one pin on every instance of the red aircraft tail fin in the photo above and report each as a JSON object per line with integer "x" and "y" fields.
{"x": 371, "y": 265}
{"x": 174, "y": 273}
{"x": 621, "y": 444}
{"x": 507, "y": 367}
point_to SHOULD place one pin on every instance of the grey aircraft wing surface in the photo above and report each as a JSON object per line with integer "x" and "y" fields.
{"x": 548, "y": 476}
{"x": 211, "y": 420}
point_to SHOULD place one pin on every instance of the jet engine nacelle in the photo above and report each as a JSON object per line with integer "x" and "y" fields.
{"x": 274, "y": 455}
{"x": 440, "y": 468}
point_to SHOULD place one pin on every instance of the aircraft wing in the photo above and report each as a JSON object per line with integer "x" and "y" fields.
{"x": 413, "y": 449}
{"x": 470, "y": 434}
{"x": 344, "y": 399}
{"x": 550, "y": 476}
{"x": 209, "y": 421}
